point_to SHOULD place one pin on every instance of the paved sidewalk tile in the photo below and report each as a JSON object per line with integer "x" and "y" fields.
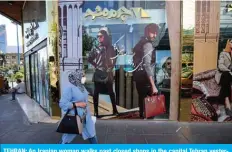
{"x": 15, "y": 128}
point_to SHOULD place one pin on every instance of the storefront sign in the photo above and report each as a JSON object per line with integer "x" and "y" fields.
{"x": 32, "y": 40}
{"x": 30, "y": 33}
{"x": 122, "y": 13}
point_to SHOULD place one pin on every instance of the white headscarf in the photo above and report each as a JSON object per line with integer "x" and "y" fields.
{"x": 75, "y": 79}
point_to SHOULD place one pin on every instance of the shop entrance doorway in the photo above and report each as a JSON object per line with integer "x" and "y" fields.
{"x": 38, "y": 77}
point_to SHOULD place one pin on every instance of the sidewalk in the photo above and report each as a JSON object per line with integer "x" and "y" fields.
{"x": 15, "y": 128}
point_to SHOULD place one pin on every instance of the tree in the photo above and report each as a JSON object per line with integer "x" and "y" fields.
{"x": 4, "y": 70}
{"x": 188, "y": 38}
{"x": 18, "y": 75}
{"x": 14, "y": 67}
{"x": 21, "y": 69}
{"x": 88, "y": 43}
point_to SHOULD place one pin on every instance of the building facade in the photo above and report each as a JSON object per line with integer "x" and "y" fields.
{"x": 12, "y": 59}
{"x": 3, "y": 38}
{"x": 189, "y": 37}
{"x": 39, "y": 47}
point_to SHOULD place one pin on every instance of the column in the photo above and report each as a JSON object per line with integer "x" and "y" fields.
{"x": 129, "y": 4}
{"x": 52, "y": 17}
{"x": 80, "y": 33}
{"x": 62, "y": 25}
{"x": 69, "y": 31}
{"x": 121, "y": 87}
{"x": 137, "y": 3}
{"x": 75, "y": 31}
{"x": 174, "y": 25}
{"x": 120, "y": 3}
{"x": 206, "y": 35}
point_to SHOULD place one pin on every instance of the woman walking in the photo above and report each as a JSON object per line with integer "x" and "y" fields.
{"x": 75, "y": 93}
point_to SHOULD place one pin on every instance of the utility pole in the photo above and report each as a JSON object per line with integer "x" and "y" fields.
{"x": 17, "y": 36}
{"x": 18, "y": 44}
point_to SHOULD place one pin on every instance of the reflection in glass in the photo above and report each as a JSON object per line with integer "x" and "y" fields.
{"x": 33, "y": 76}
{"x": 27, "y": 70}
{"x": 188, "y": 19}
{"x": 36, "y": 78}
{"x": 43, "y": 78}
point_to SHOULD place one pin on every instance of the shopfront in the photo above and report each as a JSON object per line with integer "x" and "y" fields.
{"x": 187, "y": 38}
{"x": 211, "y": 89}
{"x": 126, "y": 31}
{"x": 35, "y": 48}
{"x": 125, "y": 23}
{"x": 38, "y": 78}
{"x": 36, "y": 54}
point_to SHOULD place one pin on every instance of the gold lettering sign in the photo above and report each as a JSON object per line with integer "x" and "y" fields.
{"x": 121, "y": 13}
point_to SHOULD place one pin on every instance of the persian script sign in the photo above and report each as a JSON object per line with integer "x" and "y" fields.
{"x": 122, "y": 13}
{"x": 31, "y": 34}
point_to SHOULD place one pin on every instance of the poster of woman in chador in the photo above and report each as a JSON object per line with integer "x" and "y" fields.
{"x": 125, "y": 53}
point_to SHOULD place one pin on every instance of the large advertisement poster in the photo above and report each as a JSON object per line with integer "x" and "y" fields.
{"x": 212, "y": 63}
{"x": 124, "y": 52}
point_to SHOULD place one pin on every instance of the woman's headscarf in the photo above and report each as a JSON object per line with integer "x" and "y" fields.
{"x": 75, "y": 79}
{"x": 164, "y": 60}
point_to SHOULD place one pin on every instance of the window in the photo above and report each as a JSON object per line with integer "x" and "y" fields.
{"x": 13, "y": 57}
{"x": 125, "y": 33}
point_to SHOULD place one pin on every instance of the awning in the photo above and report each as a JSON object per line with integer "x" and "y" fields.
{"x": 12, "y": 10}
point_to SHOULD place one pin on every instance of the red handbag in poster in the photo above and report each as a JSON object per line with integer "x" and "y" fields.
{"x": 154, "y": 105}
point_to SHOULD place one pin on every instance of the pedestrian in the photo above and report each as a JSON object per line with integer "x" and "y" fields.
{"x": 76, "y": 93}
{"x": 19, "y": 89}
{"x": 6, "y": 86}
{"x": 101, "y": 58}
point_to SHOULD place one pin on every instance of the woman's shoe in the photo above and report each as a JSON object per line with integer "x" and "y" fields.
{"x": 228, "y": 112}
{"x": 141, "y": 117}
{"x": 115, "y": 113}
{"x": 96, "y": 115}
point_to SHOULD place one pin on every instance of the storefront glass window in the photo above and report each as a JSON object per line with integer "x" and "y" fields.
{"x": 187, "y": 29}
{"x": 43, "y": 78}
{"x": 33, "y": 77}
{"x": 36, "y": 78}
{"x": 27, "y": 70}
{"x": 212, "y": 62}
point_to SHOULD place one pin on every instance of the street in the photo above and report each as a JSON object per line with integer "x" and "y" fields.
{"x": 15, "y": 128}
